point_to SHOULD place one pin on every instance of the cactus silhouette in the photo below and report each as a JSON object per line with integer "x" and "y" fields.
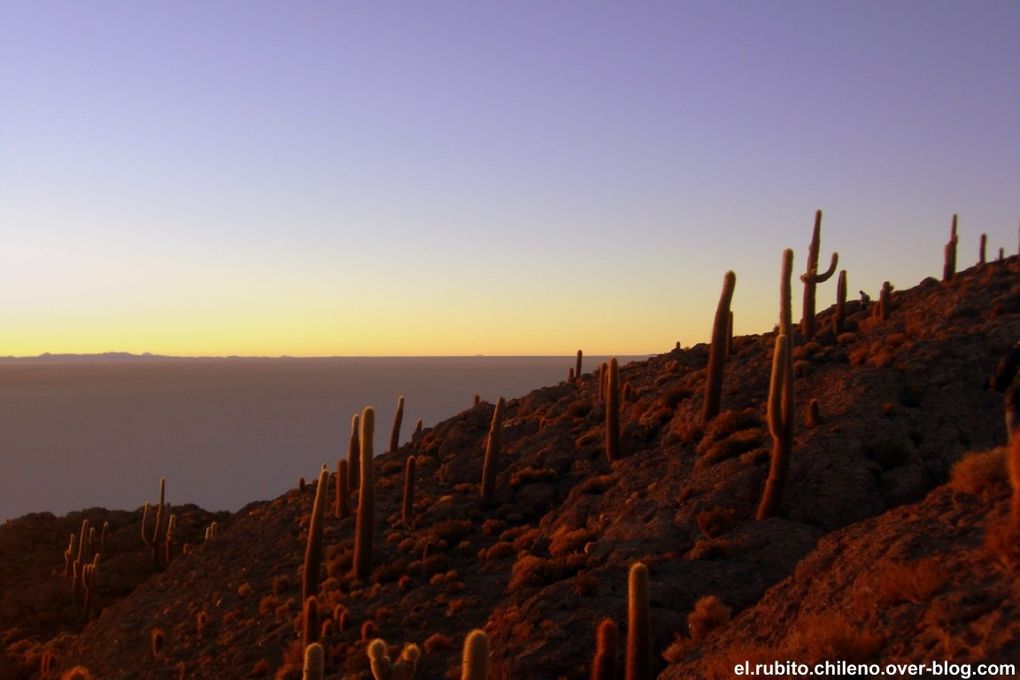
{"x": 343, "y": 500}
{"x": 839, "y": 318}
{"x": 492, "y": 448}
{"x": 812, "y": 278}
{"x": 717, "y": 354}
{"x": 639, "y": 641}
{"x": 577, "y": 366}
{"x": 354, "y": 455}
{"x": 313, "y": 548}
{"x": 407, "y": 507}
{"x": 366, "y": 500}
{"x": 398, "y": 418}
{"x": 613, "y": 411}
{"x": 949, "y": 263}
{"x": 780, "y": 403}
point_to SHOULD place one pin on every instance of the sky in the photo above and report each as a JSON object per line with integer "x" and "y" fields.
{"x": 458, "y": 178}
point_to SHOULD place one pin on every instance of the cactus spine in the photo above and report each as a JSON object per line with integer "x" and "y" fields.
{"x": 314, "y": 662}
{"x": 398, "y": 418}
{"x": 492, "y": 448}
{"x": 949, "y": 264}
{"x": 366, "y": 499}
{"x": 604, "y": 665}
{"x": 475, "y": 660}
{"x": 612, "y": 391}
{"x": 781, "y": 402}
{"x": 812, "y": 278}
{"x": 839, "y": 319}
{"x": 407, "y": 507}
{"x": 313, "y": 549}
{"x": 717, "y": 354}
{"x": 354, "y": 455}
{"x": 639, "y": 642}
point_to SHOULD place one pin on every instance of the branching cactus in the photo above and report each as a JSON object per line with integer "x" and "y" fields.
{"x": 639, "y": 640}
{"x": 604, "y": 665}
{"x": 365, "y": 523}
{"x": 717, "y": 354}
{"x": 383, "y": 669}
{"x": 407, "y": 507}
{"x": 492, "y": 449}
{"x": 812, "y": 278}
{"x": 398, "y": 418}
{"x": 613, "y": 411}
{"x": 949, "y": 263}
{"x": 475, "y": 660}
{"x": 780, "y": 402}
{"x": 313, "y": 548}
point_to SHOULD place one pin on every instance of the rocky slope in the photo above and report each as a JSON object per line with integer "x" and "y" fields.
{"x": 900, "y": 401}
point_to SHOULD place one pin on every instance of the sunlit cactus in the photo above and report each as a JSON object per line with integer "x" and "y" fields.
{"x": 365, "y": 523}
{"x": 717, "y": 353}
{"x": 812, "y": 278}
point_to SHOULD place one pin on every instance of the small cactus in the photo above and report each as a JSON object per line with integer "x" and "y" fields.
{"x": 310, "y": 627}
{"x": 717, "y": 353}
{"x": 418, "y": 427}
{"x": 612, "y": 391}
{"x": 639, "y": 641}
{"x": 607, "y": 641}
{"x": 577, "y": 365}
{"x": 313, "y": 548}
{"x": 383, "y": 669}
{"x": 982, "y": 249}
{"x": 343, "y": 490}
{"x": 365, "y": 522}
{"x": 839, "y": 318}
{"x": 407, "y": 507}
{"x": 475, "y": 659}
{"x": 949, "y": 263}
{"x": 492, "y": 448}
{"x": 398, "y": 418}
{"x": 813, "y": 416}
{"x": 314, "y": 662}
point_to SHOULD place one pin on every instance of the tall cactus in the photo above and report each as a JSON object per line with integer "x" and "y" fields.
{"x": 982, "y": 249}
{"x": 577, "y": 366}
{"x": 717, "y": 354}
{"x": 812, "y": 278}
{"x": 313, "y": 548}
{"x": 607, "y": 640}
{"x": 475, "y": 660}
{"x": 407, "y": 507}
{"x": 949, "y": 263}
{"x": 839, "y": 319}
{"x": 365, "y": 522}
{"x": 780, "y": 404}
{"x": 639, "y": 626}
{"x": 310, "y": 628}
{"x": 398, "y": 418}
{"x": 613, "y": 410}
{"x": 492, "y": 449}
{"x": 343, "y": 500}
{"x": 354, "y": 455}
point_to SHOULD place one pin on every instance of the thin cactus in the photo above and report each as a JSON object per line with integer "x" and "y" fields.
{"x": 949, "y": 262}
{"x": 780, "y": 402}
{"x": 639, "y": 640}
{"x": 612, "y": 397}
{"x": 982, "y": 248}
{"x": 310, "y": 627}
{"x": 314, "y": 662}
{"x": 475, "y": 659}
{"x": 398, "y": 418}
{"x": 577, "y": 365}
{"x": 407, "y": 507}
{"x": 1014, "y": 477}
{"x": 418, "y": 427}
{"x": 365, "y": 523}
{"x": 839, "y": 318}
{"x": 812, "y": 278}
{"x": 354, "y": 455}
{"x": 343, "y": 490}
{"x": 604, "y": 665}
{"x": 717, "y": 353}
{"x": 313, "y": 548}
{"x": 492, "y": 449}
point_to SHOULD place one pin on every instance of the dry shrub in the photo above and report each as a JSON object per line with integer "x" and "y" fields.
{"x": 390, "y": 571}
{"x": 585, "y": 583}
{"x": 261, "y": 667}
{"x": 711, "y": 549}
{"x": 672, "y": 398}
{"x": 732, "y": 446}
{"x": 493, "y": 527}
{"x": 244, "y": 590}
{"x": 676, "y": 652}
{"x": 497, "y": 551}
{"x": 268, "y": 604}
{"x": 829, "y": 636}
{"x": 530, "y": 571}
{"x": 77, "y": 673}
{"x": 452, "y": 531}
{"x": 565, "y": 540}
{"x": 716, "y": 521}
{"x": 526, "y": 539}
{"x": 981, "y": 473}
{"x": 915, "y": 582}
{"x": 595, "y": 485}
{"x": 532, "y": 475}
{"x": 686, "y": 431}
{"x": 709, "y": 614}
{"x": 281, "y": 584}
{"x": 438, "y": 642}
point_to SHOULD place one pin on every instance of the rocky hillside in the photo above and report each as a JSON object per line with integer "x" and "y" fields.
{"x": 900, "y": 400}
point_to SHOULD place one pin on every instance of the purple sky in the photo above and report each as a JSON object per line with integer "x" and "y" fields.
{"x": 460, "y": 178}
